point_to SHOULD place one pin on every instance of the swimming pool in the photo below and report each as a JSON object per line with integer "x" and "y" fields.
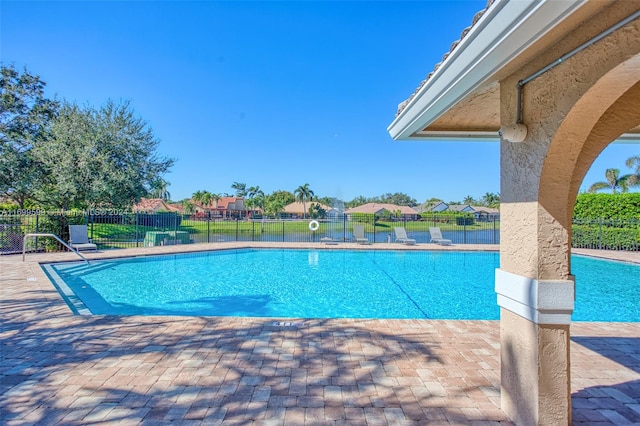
{"x": 325, "y": 284}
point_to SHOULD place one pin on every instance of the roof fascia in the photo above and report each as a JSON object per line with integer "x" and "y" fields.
{"x": 505, "y": 30}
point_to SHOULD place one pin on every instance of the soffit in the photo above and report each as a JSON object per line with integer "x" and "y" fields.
{"x": 474, "y": 113}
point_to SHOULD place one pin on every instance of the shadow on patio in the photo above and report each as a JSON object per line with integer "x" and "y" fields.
{"x": 90, "y": 369}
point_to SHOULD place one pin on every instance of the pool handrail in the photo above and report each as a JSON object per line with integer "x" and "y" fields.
{"x": 24, "y": 244}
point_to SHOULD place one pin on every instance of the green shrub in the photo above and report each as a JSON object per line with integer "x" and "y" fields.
{"x": 612, "y": 234}
{"x": 464, "y": 220}
{"x": 363, "y": 217}
{"x": 607, "y": 206}
{"x": 459, "y": 218}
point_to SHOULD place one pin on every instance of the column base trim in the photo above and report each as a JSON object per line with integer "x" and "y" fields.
{"x": 539, "y": 301}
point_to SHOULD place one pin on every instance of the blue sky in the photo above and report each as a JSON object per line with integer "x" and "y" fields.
{"x": 275, "y": 94}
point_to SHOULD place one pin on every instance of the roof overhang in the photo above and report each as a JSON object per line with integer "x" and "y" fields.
{"x": 460, "y": 101}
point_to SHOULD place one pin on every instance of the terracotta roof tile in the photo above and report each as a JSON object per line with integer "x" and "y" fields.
{"x": 297, "y": 208}
{"x": 150, "y": 204}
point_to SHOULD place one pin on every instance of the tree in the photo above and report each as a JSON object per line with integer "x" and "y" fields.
{"x": 634, "y": 164}
{"x": 159, "y": 189}
{"x": 398, "y": 199}
{"x": 283, "y": 197}
{"x": 614, "y": 182}
{"x": 255, "y": 197}
{"x": 273, "y": 206}
{"x": 316, "y": 211}
{"x": 205, "y": 198}
{"x": 303, "y": 194}
{"x": 468, "y": 200}
{"x": 197, "y": 196}
{"x": 241, "y": 189}
{"x": 188, "y": 206}
{"x": 357, "y": 201}
{"x": 25, "y": 116}
{"x": 99, "y": 157}
{"x": 332, "y": 202}
{"x": 489, "y": 199}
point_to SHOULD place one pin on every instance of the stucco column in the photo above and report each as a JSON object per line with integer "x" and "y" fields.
{"x": 534, "y": 287}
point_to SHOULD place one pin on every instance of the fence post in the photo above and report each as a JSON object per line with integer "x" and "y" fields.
{"x": 175, "y": 226}
{"x": 494, "y": 230}
{"x": 283, "y": 231}
{"x": 600, "y": 234}
{"x": 208, "y": 226}
{"x": 37, "y": 228}
{"x": 236, "y": 229}
{"x": 135, "y": 215}
{"x": 464, "y": 230}
{"x": 374, "y": 228}
{"x": 344, "y": 227}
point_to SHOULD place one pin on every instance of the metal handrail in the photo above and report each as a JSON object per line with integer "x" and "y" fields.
{"x": 24, "y": 244}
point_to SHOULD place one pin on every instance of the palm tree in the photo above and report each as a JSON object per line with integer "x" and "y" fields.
{"x": 634, "y": 163}
{"x": 159, "y": 189}
{"x": 189, "y": 208}
{"x": 241, "y": 189}
{"x": 468, "y": 200}
{"x": 204, "y": 198}
{"x": 490, "y": 199}
{"x": 303, "y": 194}
{"x": 614, "y": 182}
{"x": 197, "y": 196}
{"x": 252, "y": 193}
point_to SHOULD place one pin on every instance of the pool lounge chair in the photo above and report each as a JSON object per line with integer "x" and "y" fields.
{"x": 436, "y": 237}
{"x": 401, "y": 236}
{"x": 358, "y": 234}
{"x": 328, "y": 241}
{"x": 79, "y": 238}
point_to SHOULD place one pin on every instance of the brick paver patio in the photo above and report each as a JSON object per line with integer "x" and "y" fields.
{"x": 58, "y": 368}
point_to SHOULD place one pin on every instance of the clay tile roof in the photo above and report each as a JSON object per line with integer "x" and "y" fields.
{"x": 150, "y": 204}
{"x": 464, "y": 33}
{"x": 223, "y": 203}
{"x": 297, "y": 207}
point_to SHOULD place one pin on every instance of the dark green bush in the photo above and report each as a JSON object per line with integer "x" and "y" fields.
{"x": 609, "y": 235}
{"x": 607, "y": 206}
{"x": 363, "y": 217}
{"x": 449, "y": 217}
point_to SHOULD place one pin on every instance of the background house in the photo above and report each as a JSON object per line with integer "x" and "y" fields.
{"x": 297, "y": 210}
{"x": 153, "y": 205}
{"x": 432, "y": 207}
{"x": 486, "y": 214}
{"x": 230, "y": 207}
{"x": 382, "y": 209}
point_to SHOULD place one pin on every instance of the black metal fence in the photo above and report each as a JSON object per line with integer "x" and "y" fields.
{"x": 606, "y": 234}
{"x": 114, "y": 229}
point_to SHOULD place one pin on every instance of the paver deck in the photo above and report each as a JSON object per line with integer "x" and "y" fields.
{"x": 59, "y": 368}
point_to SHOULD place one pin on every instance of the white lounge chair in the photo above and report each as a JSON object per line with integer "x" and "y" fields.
{"x": 401, "y": 236}
{"x": 436, "y": 237}
{"x": 358, "y": 234}
{"x": 79, "y": 238}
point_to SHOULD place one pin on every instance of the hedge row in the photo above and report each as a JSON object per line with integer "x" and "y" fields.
{"x": 607, "y": 206}
{"x": 606, "y": 237}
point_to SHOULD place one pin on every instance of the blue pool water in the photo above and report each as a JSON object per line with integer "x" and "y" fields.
{"x": 327, "y": 284}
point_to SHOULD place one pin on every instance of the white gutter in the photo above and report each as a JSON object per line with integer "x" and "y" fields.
{"x": 505, "y": 30}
